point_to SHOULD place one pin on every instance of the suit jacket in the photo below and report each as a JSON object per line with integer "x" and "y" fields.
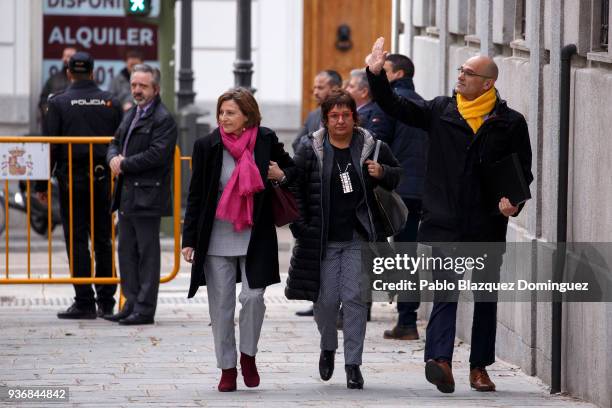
{"x": 144, "y": 186}
{"x": 311, "y": 124}
{"x": 372, "y": 118}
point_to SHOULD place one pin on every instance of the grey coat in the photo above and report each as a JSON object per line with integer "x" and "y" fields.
{"x": 120, "y": 87}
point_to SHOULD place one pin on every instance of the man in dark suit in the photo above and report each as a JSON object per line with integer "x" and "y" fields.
{"x": 371, "y": 117}
{"x": 409, "y": 146}
{"x": 324, "y": 83}
{"x": 141, "y": 157}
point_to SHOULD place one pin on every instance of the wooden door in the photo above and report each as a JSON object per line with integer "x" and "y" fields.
{"x": 367, "y": 20}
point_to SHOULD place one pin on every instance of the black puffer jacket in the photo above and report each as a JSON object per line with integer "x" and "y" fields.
{"x": 313, "y": 177}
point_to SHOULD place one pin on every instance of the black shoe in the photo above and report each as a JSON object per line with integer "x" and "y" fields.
{"x": 74, "y": 312}
{"x": 326, "y": 364}
{"x": 136, "y": 318}
{"x": 306, "y": 312}
{"x": 402, "y": 333}
{"x": 104, "y": 310}
{"x": 354, "y": 379}
{"x": 125, "y": 312}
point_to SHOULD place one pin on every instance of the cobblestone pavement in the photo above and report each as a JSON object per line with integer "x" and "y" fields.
{"x": 172, "y": 363}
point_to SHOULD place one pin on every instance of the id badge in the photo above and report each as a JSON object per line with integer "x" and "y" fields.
{"x": 345, "y": 180}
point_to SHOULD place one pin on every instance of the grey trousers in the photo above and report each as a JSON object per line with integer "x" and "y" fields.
{"x": 139, "y": 262}
{"x": 220, "y": 274}
{"x": 341, "y": 282}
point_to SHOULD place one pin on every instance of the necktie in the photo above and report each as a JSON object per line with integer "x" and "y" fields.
{"x": 132, "y": 125}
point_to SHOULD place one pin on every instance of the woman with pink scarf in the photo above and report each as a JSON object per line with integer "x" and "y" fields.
{"x": 229, "y": 234}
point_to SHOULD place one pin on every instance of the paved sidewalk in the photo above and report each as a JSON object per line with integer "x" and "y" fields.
{"x": 172, "y": 363}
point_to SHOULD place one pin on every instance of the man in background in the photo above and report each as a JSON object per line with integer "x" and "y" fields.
{"x": 324, "y": 83}
{"x": 120, "y": 85}
{"x": 56, "y": 82}
{"x": 409, "y": 146}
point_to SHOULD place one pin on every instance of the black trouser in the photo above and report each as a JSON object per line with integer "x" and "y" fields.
{"x": 407, "y": 310}
{"x": 81, "y": 258}
{"x": 139, "y": 262}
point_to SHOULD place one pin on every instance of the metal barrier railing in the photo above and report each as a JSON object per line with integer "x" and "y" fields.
{"x": 50, "y": 278}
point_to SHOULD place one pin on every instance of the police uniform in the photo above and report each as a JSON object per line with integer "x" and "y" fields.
{"x": 83, "y": 109}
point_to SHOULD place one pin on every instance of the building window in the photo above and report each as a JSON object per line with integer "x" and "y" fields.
{"x": 520, "y": 26}
{"x": 432, "y": 13}
{"x": 471, "y": 17}
{"x": 605, "y": 15}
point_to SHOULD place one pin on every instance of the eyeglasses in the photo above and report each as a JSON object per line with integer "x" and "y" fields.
{"x": 334, "y": 117}
{"x": 463, "y": 71}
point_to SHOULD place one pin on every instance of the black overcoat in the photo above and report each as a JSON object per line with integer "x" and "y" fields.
{"x": 455, "y": 206}
{"x": 262, "y": 254}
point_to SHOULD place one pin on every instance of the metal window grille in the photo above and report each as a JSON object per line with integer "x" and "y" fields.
{"x": 605, "y": 13}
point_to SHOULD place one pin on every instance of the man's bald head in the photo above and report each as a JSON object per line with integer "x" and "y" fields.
{"x": 485, "y": 66}
{"x": 476, "y": 76}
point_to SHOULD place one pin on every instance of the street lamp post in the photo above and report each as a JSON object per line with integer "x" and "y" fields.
{"x": 185, "y": 94}
{"x": 243, "y": 66}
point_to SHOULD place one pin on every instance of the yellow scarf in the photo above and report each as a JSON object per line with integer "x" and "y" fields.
{"x": 474, "y": 111}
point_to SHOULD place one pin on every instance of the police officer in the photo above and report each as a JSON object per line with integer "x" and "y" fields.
{"x": 83, "y": 109}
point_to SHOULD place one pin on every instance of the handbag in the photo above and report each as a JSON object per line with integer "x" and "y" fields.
{"x": 393, "y": 211}
{"x": 284, "y": 206}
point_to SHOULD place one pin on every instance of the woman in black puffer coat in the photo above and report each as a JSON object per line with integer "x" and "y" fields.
{"x": 334, "y": 190}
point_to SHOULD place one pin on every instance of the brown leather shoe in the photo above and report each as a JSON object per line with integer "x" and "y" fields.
{"x": 440, "y": 374}
{"x": 480, "y": 381}
{"x": 401, "y": 333}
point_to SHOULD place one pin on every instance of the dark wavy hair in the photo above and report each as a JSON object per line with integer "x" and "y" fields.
{"x": 246, "y": 102}
{"x": 338, "y": 97}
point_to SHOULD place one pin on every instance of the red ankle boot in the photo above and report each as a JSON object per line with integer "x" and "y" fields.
{"x": 228, "y": 380}
{"x": 249, "y": 370}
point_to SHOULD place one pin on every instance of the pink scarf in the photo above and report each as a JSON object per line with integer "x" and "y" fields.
{"x": 236, "y": 203}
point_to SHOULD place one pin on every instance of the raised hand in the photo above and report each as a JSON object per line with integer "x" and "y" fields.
{"x": 376, "y": 59}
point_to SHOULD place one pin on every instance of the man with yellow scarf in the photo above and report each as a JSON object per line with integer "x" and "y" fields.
{"x": 466, "y": 132}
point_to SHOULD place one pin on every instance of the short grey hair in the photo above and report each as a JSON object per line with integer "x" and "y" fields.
{"x": 146, "y": 68}
{"x": 362, "y": 78}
